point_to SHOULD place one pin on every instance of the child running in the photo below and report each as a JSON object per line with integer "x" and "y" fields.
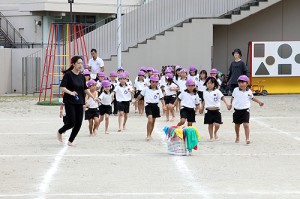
{"x": 114, "y": 81}
{"x": 152, "y": 95}
{"x": 139, "y": 85}
{"x": 201, "y": 87}
{"x": 123, "y": 94}
{"x": 241, "y": 101}
{"x": 194, "y": 73}
{"x": 189, "y": 101}
{"x": 105, "y": 108}
{"x": 212, "y": 103}
{"x": 92, "y": 112}
{"x": 171, "y": 89}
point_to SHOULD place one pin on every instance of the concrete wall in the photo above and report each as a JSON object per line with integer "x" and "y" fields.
{"x": 16, "y": 68}
{"x": 187, "y": 45}
{"x": 6, "y": 70}
{"x": 276, "y": 23}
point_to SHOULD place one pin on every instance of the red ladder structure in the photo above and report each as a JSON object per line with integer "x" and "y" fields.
{"x": 62, "y": 45}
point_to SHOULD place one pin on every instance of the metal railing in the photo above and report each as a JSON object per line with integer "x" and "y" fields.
{"x": 153, "y": 18}
{"x": 12, "y": 36}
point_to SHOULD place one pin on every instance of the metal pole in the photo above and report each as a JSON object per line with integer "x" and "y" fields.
{"x": 71, "y": 13}
{"x": 119, "y": 33}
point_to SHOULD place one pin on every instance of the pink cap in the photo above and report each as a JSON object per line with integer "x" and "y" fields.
{"x": 168, "y": 70}
{"x": 155, "y": 72}
{"x": 143, "y": 68}
{"x": 86, "y": 72}
{"x": 193, "y": 68}
{"x": 169, "y": 76}
{"x": 150, "y": 69}
{"x": 113, "y": 74}
{"x": 183, "y": 70}
{"x": 178, "y": 67}
{"x": 122, "y": 76}
{"x": 243, "y": 78}
{"x": 91, "y": 83}
{"x": 121, "y": 68}
{"x": 214, "y": 71}
{"x": 154, "y": 78}
{"x": 190, "y": 82}
{"x": 105, "y": 83}
{"x": 141, "y": 73}
{"x": 101, "y": 74}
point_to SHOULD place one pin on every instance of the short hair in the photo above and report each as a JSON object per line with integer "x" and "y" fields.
{"x": 212, "y": 80}
{"x": 94, "y": 50}
{"x": 204, "y": 72}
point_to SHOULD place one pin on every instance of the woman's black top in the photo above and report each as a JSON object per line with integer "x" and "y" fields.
{"x": 76, "y": 83}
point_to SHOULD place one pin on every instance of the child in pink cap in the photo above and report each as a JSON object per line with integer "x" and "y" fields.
{"x": 241, "y": 101}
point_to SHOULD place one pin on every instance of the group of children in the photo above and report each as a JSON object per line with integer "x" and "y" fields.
{"x": 177, "y": 89}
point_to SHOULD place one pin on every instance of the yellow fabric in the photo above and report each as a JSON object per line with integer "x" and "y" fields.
{"x": 198, "y": 134}
{"x": 179, "y": 132}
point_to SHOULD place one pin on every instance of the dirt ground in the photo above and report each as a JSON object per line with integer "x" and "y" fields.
{"x": 124, "y": 165}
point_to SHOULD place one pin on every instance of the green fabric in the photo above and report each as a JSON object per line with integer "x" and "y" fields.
{"x": 191, "y": 138}
{"x": 172, "y": 132}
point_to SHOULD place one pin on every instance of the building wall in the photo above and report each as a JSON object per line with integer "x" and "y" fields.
{"x": 6, "y": 71}
{"x": 186, "y": 46}
{"x": 276, "y": 23}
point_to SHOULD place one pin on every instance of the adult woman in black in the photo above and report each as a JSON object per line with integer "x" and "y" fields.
{"x": 74, "y": 87}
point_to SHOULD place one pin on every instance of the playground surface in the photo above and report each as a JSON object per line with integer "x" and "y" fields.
{"x": 123, "y": 165}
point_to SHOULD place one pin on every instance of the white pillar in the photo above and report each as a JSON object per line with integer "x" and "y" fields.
{"x": 119, "y": 33}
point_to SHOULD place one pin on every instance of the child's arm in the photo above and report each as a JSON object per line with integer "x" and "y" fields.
{"x": 176, "y": 102}
{"x": 197, "y": 107}
{"x": 201, "y": 110}
{"x": 163, "y": 104}
{"x": 61, "y": 108}
{"x": 258, "y": 101}
{"x": 86, "y": 104}
{"x": 225, "y": 101}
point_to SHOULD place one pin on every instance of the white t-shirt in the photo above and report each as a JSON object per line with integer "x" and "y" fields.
{"x": 212, "y": 98}
{"x": 200, "y": 85}
{"x": 92, "y": 103}
{"x": 167, "y": 89}
{"x": 140, "y": 85}
{"x": 163, "y": 82}
{"x": 105, "y": 98}
{"x": 241, "y": 99}
{"x": 188, "y": 100}
{"x": 195, "y": 77}
{"x": 152, "y": 96}
{"x": 96, "y": 65}
{"x": 219, "y": 82}
{"x": 181, "y": 84}
{"x": 123, "y": 92}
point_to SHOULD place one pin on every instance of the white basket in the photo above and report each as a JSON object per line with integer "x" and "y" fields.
{"x": 176, "y": 146}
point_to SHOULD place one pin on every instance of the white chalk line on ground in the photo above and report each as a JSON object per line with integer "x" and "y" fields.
{"x": 276, "y": 130}
{"x": 185, "y": 172}
{"x": 48, "y": 177}
{"x": 145, "y": 154}
{"x": 215, "y": 193}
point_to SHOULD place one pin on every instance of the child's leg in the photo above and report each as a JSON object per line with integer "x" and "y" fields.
{"x": 190, "y": 123}
{"x": 237, "y": 133}
{"x": 247, "y": 132}
{"x": 91, "y": 126}
{"x": 171, "y": 108}
{"x": 152, "y": 126}
{"x": 125, "y": 120}
{"x": 136, "y": 106}
{"x": 149, "y": 127}
{"x": 120, "y": 119}
{"x": 217, "y": 126}
{"x": 96, "y": 124}
{"x": 182, "y": 121}
{"x": 210, "y": 130}
{"x": 106, "y": 122}
{"x": 141, "y": 106}
{"x": 167, "y": 113}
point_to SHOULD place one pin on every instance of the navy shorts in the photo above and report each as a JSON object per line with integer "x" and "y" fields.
{"x": 152, "y": 109}
{"x": 188, "y": 113}
{"x": 91, "y": 113}
{"x": 124, "y": 106}
{"x": 241, "y": 116}
{"x": 213, "y": 116}
{"x": 105, "y": 109}
{"x": 170, "y": 99}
